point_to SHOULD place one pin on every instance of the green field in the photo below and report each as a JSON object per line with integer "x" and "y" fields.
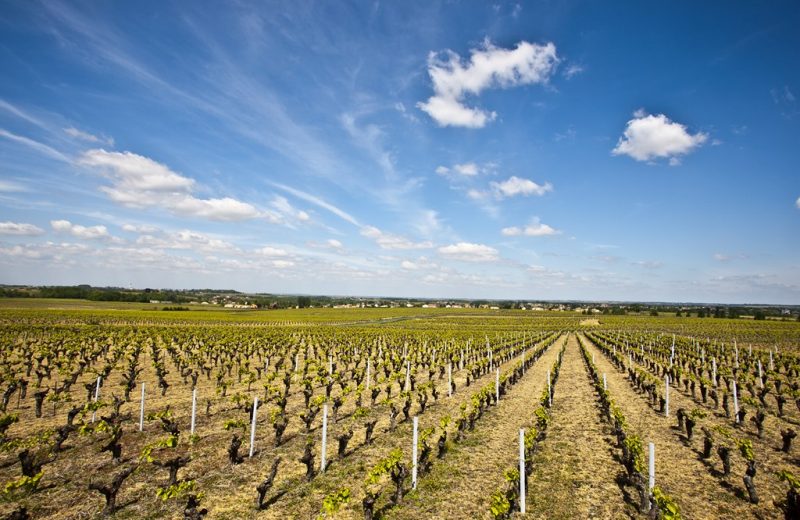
{"x": 297, "y": 361}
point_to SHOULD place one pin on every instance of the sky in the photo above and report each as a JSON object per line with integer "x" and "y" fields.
{"x": 513, "y": 150}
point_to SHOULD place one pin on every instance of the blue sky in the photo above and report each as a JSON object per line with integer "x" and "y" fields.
{"x": 532, "y": 150}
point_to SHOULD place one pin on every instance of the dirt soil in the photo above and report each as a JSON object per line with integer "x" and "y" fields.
{"x": 459, "y": 486}
{"x": 680, "y": 472}
{"x": 573, "y": 468}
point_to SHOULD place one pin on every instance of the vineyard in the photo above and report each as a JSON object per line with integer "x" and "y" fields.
{"x": 395, "y": 413}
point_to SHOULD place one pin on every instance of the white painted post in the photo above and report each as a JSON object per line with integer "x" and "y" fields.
{"x": 666, "y": 395}
{"x": 330, "y": 365}
{"x": 522, "y": 471}
{"x": 714, "y": 371}
{"x": 253, "y": 426}
{"x": 771, "y": 363}
{"x": 322, "y": 460}
{"x": 735, "y": 404}
{"x": 194, "y": 408}
{"x": 593, "y": 358}
{"x": 497, "y": 386}
{"x": 605, "y": 386}
{"x": 414, "y": 455}
{"x": 96, "y": 395}
{"x": 652, "y": 464}
{"x": 408, "y": 376}
{"x": 141, "y": 411}
{"x": 449, "y": 379}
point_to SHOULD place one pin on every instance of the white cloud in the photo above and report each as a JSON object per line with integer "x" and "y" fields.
{"x": 272, "y": 251}
{"x": 132, "y": 228}
{"x": 78, "y": 231}
{"x": 516, "y": 186}
{"x": 409, "y": 265}
{"x": 797, "y": 203}
{"x": 428, "y": 223}
{"x": 649, "y": 137}
{"x": 11, "y": 187}
{"x": 573, "y": 70}
{"x": 139, "y": 181}
{"x": 186, "y": 239}
{"x": 317, "y": 202}
{"x": 391, "y": 241}
{"x": 469, "y": 252}
{"x": 648, "y": 264}
{"x": 86, "y": 136}
{"x": 468, "y": 169}
{"x": 287, "y": 210}
{"x": 282, "y": 264}
{"x": 35, "y": 145}
{"x": 488, "y": 67}
{"x": 19, "y": 228}
{"x": 534, "y": 229}
{"x": 335, "y": 244}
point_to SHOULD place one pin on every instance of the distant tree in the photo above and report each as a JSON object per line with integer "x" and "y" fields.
{"x": 759, "y": 315}
{"x": 678, "y": 314}
{"x": 654, "y": 313}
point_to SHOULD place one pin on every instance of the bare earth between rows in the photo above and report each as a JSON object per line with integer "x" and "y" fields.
{"x": 679, "y": 470}
{"x": 459, "y": 485}
{"x": 572, "y": 476}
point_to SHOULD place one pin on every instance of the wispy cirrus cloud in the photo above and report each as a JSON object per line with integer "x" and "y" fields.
{"x": 87, "y": 137}
{"x": 35, "y": 145}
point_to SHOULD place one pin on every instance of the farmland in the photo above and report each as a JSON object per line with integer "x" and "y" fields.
{"x": 98, "y": 399}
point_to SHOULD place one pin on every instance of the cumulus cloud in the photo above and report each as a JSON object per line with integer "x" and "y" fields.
{"x": 488, "y": 67}
{"x": 469, "y": 252}
{"x": 534, "y": 229}
{"x": 86, "y": 136}
{"x": 391, "y": 241}
{"x": 649, "y": 137}
{"x": 272, "y": 251}
{"x": 185, "y": 239}
{"x": 797, "y": 203}
{"x": 78, "y": 231}
{"x": 143, "y": 228}
{"x": 138, "y": 181}
{"x": 19, "y": 228}
{"x": 514, "y": 186}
